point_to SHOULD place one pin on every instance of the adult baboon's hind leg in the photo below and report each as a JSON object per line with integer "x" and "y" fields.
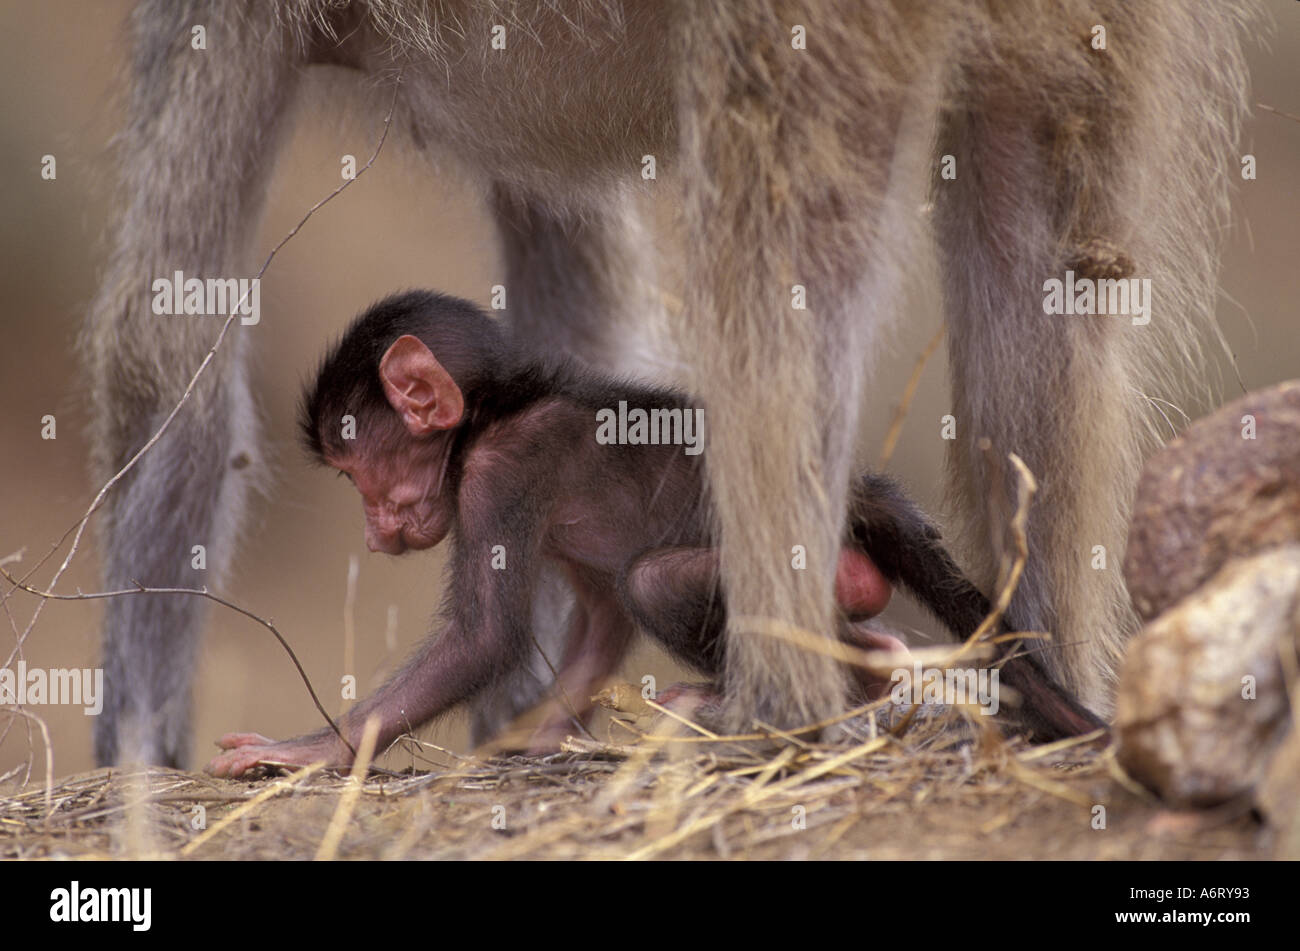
{"x": 1108, "y": 162}
{"x": 195, "y": 156}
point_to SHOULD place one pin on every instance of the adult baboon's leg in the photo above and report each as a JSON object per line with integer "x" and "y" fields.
{"x": 1109, "y": 163}
{"x": 790, "y": 156}
{"x": 195, "y": 156}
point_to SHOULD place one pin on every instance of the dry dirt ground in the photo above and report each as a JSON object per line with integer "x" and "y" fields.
{"x": 910, "y": 788}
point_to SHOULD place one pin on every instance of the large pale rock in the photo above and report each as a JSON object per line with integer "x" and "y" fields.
{"x": 1185, "y": 729}
{"x": 1212, "y": 495}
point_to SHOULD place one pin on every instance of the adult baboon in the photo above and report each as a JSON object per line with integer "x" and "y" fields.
{"x": 1085, "y": 135}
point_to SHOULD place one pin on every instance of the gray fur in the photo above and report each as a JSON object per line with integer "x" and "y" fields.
{"x": 795, "y": 167}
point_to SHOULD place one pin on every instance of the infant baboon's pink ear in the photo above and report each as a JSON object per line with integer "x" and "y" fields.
{"x": 419, "y": 387}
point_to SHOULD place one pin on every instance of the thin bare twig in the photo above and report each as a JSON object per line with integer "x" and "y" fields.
{"x": 1026, "y": 486}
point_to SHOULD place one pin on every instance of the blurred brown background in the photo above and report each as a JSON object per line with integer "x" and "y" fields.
{"x": 397, "y": 227}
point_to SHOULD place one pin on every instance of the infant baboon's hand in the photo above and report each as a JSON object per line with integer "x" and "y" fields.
{"x": 243, "y": 751}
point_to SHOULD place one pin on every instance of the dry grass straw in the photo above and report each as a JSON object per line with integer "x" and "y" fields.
{"x": 941, "y": 788}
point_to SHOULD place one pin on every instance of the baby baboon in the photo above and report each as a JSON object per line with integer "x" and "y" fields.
{"x": 447, "y": 430}
{"x": 1083, "y": 136}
